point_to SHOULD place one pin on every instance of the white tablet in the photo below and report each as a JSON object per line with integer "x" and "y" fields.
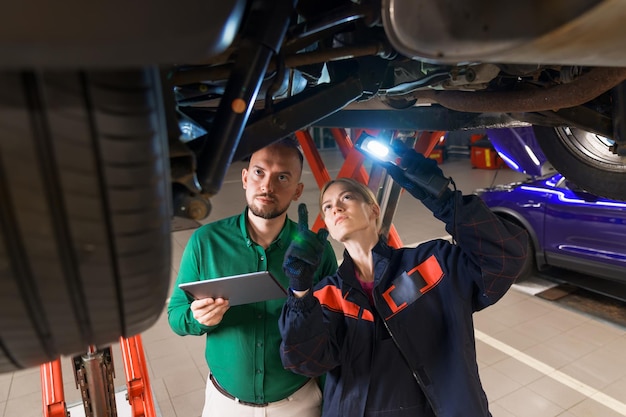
{"x": 238, "y": 289}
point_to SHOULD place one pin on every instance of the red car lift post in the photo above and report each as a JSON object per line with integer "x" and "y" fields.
{"x": 52, "y": 392}
{"x": 139, "y": 392}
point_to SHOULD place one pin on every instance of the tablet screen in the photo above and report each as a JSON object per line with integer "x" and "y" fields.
{"x": 238, "y": 289}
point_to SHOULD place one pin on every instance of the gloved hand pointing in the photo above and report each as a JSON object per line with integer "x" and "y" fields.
{"x": 304, "y": 253}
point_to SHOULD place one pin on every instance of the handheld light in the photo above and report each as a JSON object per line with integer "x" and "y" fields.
{"x": 391, "y": 153}
{"x": 375, "y": 148}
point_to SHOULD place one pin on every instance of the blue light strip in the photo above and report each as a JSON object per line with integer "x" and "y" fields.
{"x": 565, "y": 199}
{"x": 596, "y": 253}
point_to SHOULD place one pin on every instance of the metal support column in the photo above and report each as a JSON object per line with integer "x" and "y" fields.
{"x": 94, "y": 375}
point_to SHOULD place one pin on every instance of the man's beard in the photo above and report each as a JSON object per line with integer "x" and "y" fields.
{"x": 268, "y": 213}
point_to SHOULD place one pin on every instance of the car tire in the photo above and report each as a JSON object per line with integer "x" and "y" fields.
{"x": 585, "y": 159}
{"x": 85, "y": 211}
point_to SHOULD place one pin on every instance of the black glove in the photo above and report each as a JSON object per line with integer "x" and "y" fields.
{"x": 304, "y": 253}
{"x": 421, "y": 176}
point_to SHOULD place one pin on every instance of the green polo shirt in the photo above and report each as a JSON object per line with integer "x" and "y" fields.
{"x": 243, "y": 350}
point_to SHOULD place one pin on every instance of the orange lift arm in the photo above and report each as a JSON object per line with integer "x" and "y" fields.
{"x": 137, "y": 380}
{"x": 52, "y": 392}
{"x": 426, "y": 141}
{"x": 351, "y": 168}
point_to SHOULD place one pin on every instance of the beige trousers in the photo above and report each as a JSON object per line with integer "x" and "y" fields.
{"x": 306, "y": 402}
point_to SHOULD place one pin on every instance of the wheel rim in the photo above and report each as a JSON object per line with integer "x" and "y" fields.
{"x": 592, "y": 149}
{"x": 586, "y": 159}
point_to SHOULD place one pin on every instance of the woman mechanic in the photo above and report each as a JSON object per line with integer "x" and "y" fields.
{"x": 392, "y": 329}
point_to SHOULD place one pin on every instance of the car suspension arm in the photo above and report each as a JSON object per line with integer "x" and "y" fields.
{"x": 263, "y": 34}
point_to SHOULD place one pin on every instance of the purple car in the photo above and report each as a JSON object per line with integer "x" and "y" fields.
{"x": 570, "y": 228}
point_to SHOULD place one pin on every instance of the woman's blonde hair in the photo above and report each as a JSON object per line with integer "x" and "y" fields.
{"x": 355, "y": 187}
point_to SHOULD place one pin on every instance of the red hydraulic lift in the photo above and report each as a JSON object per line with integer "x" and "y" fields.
{"x": 352, "y": 167}
{"x": 94, "y": 377}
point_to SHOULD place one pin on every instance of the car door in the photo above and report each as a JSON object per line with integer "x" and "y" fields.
{"x": 585, "y": 233}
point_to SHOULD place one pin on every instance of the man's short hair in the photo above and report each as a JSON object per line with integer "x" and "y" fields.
{"x": 291, "y": 142}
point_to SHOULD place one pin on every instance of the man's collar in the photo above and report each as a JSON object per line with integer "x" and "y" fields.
{"x": 283, "y": 238}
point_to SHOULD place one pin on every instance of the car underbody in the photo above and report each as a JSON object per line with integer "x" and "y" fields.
{"x": 426, "y": 66}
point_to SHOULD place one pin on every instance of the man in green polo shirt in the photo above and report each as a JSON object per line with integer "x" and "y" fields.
{"x": 242, "y": 342}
